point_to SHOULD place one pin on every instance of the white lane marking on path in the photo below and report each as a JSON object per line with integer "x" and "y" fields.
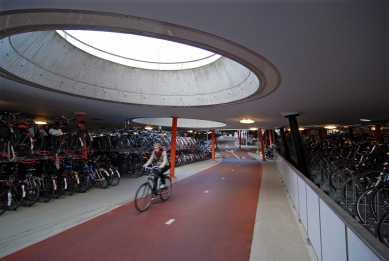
{"x": 234, "y": 154}
{"x": 206, "y": 191}
{"x": 170, "y": 221}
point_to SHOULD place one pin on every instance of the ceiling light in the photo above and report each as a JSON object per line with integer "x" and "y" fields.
{"x": 246, "y": 121}
{"x": 40, "y": 122}
{"x": 301, "y": 129}
{"x": 148, "y": 128}
{"x": 364, "y": 120}
{"x": 330, "y": 127}
{"x": 253, "y": 129}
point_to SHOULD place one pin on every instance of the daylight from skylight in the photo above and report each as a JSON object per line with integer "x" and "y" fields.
{"x": 139, "y": 51}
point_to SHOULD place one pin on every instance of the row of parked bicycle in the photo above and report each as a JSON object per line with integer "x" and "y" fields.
{"x": 44, "y": 176}
{"x": 356, "y": 175}
{"x": 21, "y": 136}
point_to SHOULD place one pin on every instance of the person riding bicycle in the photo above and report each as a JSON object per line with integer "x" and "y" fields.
{"x": 159, "y": 158}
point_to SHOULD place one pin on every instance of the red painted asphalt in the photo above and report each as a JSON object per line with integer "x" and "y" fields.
{"x": 217, "y": 225}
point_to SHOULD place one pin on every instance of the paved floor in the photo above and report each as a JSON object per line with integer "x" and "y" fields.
{"x": 234, "y": 208}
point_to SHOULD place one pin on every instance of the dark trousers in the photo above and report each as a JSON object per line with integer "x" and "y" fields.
{"x": 159, "y": 173}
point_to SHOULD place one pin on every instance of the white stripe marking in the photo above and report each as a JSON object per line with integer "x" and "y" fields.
{"x": 206, "y": 191}
{"x": 170, "y": 221}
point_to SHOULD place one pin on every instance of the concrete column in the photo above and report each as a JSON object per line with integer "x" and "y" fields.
{"x": 173, "y": 146}
{"x": 294, "y": 129}
{"x": 285, "y": 145}
{"x": 262, "y": 146}
{"x": 377, "y": 138}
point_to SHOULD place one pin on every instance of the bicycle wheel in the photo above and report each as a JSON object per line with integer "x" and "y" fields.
{"x": 363, "y": 208}
{"x": 115, "y": 177}
{"x": 73, "y": 182}
{"x": 383, "y": 229}
{"x": 32, "y": 192}
{"x": 84, "y": 183}
{"x": 137, "y": 170}
{"x": 379, "y": 200}
{"x": 102, "y": 178}
{"x": 143, "y": 197}
{"x": 167, "y": 190}
{"x": 110, "y": 177}
{"x": 3, "y": 199}
{"x": 60, "y": 186}
{"x": 39, "y": 140}
{"x": 47, "y": 189}
{"x": 17, "y": 195}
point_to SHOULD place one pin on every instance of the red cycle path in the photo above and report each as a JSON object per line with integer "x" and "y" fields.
{"x": 213, "y": 211}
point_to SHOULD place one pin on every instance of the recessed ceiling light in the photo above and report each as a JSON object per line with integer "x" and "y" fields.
{"x": 246, "y": 121}
{"x": 330, "y": 127}
{"x": 40, "y": 122}
{"x": 253, "y": 129}
{"x": 364, "y": 120}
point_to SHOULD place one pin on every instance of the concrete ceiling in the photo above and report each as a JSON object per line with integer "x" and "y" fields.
{"x": 332, "y": 57}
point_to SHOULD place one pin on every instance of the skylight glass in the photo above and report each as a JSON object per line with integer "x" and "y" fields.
{"x": 139, "y": 51}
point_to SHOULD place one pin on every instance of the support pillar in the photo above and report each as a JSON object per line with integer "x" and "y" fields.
{"x": 81, "y": 126}
{"x": 270, "y": 137}
{"x": 301, "y": 161}
{"x": 213, "y": 145}
{"x": 240, "y": 139}
{"x": 377, "y": 138}
{"x": 351, "y": 133}
{"x": 285, "y": 145}
{"x": 173, "y": 146}
{"x": 323, "y": 134}
{"x": 262, "y": 146}
{"x": 257, "y": 142}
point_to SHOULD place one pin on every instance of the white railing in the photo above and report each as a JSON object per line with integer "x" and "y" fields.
{"x": 333, "y": 233}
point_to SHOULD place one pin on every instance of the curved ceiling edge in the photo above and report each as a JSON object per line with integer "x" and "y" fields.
{"x": 15, "y": 22}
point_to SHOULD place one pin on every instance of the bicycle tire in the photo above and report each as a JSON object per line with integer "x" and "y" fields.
{"x": 73, "y": 182}
{"x": 167, "y": 191}
{"x": 110, "y": 177}
{"x": 60, "y": 189}
{"x": 46, "y": 192}
{"x": 39, "y": 140}
{"x": 17, "y": 196}
{"x": 115, "y": 177}
{"x": 3, "y": 199}
{"x": 143, "y": 197}
{"x": 379, "y": 200}
{"x": 102, "y": 178}
{"x": 363, "y": 208}
{"x": 32, "y": 193}
{"x": 137, "y": 170}
{"x": 84, "y": 183}
{"x": 383, "y": 229}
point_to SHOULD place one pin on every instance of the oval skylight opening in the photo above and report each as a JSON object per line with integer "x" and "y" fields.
{"x": 139, "y": 51}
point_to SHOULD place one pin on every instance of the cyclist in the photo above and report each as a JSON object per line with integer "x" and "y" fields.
{"x": 159, "y": 158}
